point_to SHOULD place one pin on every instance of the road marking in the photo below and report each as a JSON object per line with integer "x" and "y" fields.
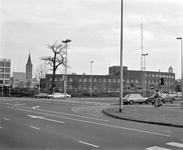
{"x": 90, "y": 122}
{"x": 6, "y": 119}
{"x": 88, "y": 144}
{"x": 39, "y": 117}
{"x": 157, "y": 148}
{"x": 19, "y": 104}
{"x": 35, "y": 128}
{"x": 175, "y": 144}
{"x": 35, "y": 107}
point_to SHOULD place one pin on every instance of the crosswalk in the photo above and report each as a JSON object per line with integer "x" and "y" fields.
{"x": 168, "y": 146}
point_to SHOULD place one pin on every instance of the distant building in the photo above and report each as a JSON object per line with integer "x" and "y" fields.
{"x": 133, "y": 80}
{"x": 5, "y": 67}
{"x": 19, "y": 79}
{"x": 29, "y": 68}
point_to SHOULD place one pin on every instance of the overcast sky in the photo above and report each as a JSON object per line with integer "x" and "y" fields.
{"x": 94, "y": 28}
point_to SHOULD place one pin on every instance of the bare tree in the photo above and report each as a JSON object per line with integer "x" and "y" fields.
{"x": 41, "y": 71}
{"x": 58, "y": 58}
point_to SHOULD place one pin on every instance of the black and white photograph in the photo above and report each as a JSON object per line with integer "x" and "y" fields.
{"x": 91, "y": 75}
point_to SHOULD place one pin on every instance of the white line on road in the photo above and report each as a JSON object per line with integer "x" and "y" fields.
{"x": 96, "y": 123}
{"x": 157, "y": 148}
{"x": 88, "y": 144}
{"x": 6, "y": 119}
{"x": 35, "y": 128}
{"x": 39, "y": 117}
{"x": 19, "y": 104}
{"x": 175, "y": 144}
{"x": 35, "y": 107}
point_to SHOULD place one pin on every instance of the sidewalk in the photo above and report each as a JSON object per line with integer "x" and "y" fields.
{"x": 169, "y": 116}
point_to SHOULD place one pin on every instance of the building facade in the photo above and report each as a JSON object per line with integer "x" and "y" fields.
{"x": 5, "y": 69}
{"x": 132, "y": 80}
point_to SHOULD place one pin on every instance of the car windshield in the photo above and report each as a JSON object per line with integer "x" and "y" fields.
{"x": 128, "y": 95}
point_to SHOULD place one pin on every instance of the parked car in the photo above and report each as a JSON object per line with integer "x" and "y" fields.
{"x": 165, "y": 98}
{"x": 66, "y": 95}
{"x": 42, "y": 95}
{"x": 56, "y": 95}
{"x": 134, "y": 98}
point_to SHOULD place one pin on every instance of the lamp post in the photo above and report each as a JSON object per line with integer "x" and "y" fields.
{"x": 91, "y": 78}
{"x": 144, "y": 83}
{"x": 180, "y": 38}
{"x": 121, "y": 61}
{"x": 65, "y": 79}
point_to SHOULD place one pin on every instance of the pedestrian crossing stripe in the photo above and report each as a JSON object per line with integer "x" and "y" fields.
{"x": 175, "y": 144}
{"x": 157, "y": 148}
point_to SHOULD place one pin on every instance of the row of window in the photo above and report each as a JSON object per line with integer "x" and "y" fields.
{"x": 7, "y": 64}
{"x": 159, "y": 76}
{"x": 6, "y": 82}
{"x": 6, "y": 70}
{"x": 95, "y": 80}
{"x": 5, "y": 75}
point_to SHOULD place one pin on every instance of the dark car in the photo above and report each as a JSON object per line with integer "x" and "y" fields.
{"x": 42, "y": 95}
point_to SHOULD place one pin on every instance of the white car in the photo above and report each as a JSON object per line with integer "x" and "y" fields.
{"x": 134, "y": 98}
{"x": 66, "y": 95}
{"x": 56, "y": 95}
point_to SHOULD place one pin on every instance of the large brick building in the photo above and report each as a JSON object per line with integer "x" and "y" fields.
{"x": 133, "y": 79}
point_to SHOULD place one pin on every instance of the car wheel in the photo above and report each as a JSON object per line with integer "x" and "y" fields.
{"x": 146, "y": 101}
{"x": 131, "y": 102}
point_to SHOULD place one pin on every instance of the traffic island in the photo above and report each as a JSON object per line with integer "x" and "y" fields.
{"x": 169, "y": 116}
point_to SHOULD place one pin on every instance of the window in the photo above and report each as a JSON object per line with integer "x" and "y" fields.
{"x": 1, "y": 69}
{"x": 60, "y": 79}
{"x": 80, "y": 80}
{"x": 99, "y": 80}
{"x": 7, "y": 75}
{"x": 104, "y": 80}
{"x": 1, "y": 75}
{"x": 70, "y": 79}
{"x": 1, "y": 63}
{"x": 149, "y": 75}
{"x": 132, "y": 81}
{"x": 50, "y": 79}
{"x": 85, "y": 79}
{"x": 153, "y": 75}
{"x": 56, "y": 79}
{"x": 127, "y": 81}
{"x": 119, "y": 80}
{"x": 136, "y": 81}
{"x": 95, "y": 80}
{"x": 109, "y": 80}
{"x": 114, "y": 80}
{"x": 7, "y": 64}
{"x": 70, "y": 86}
{"x": 7, "y": 81}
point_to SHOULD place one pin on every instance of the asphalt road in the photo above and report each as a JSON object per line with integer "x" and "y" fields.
{"x": 77, "y": 124}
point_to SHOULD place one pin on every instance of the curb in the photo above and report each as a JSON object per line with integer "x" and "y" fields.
{"x": 142, "y": 121}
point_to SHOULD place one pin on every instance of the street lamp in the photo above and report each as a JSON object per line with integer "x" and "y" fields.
{"x": 65, "y": 79}
{"x": 179, "y": 38}
{"x": 144, "y": 83}
{"x": 121, "y": 61}
{"x": 91, "y": 78}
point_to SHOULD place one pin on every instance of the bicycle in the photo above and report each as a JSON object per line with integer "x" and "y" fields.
{"x": 158, "y": 102}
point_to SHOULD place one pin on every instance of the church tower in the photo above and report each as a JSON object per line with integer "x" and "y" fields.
{"x": 170, "y": 69}
{"x": 29, "y": 69}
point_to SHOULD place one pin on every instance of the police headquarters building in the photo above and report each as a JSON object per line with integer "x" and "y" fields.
{"x": 134, "y": 80}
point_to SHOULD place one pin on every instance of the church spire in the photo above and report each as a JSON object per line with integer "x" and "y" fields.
{"x": 29, "y": 60}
